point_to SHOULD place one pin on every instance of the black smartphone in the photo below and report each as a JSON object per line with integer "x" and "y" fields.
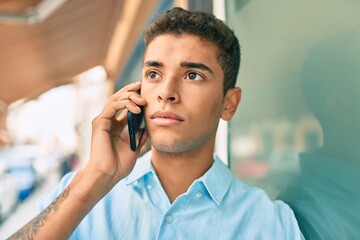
{"x": 136, "y": 126}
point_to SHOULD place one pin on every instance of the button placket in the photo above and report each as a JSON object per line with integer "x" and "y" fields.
{"x": 169, "y": 218}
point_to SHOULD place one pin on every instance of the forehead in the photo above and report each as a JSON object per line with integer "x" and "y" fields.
{"x": 185, "y": 46}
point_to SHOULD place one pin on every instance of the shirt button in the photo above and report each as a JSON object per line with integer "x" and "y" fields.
{"x": 169, "y": 219}
{"x": 198, "y": 195}
{"x": 149, "y": 186}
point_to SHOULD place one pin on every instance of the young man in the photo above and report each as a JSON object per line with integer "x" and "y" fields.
{"x": 178, "y": 190}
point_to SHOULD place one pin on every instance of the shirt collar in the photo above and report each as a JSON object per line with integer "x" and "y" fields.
{"x": 216, "y": 180}
{"x": 142, "y": 167}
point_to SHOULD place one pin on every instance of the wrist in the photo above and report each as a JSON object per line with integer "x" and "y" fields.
{"x": 90, "y": 186}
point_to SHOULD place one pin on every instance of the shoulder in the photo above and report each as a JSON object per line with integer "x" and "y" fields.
{"x": 254, "y": 205}
{"x": 254, "y": 197}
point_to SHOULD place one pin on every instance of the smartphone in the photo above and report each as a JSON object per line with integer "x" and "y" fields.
{"x": 136, "y": 126}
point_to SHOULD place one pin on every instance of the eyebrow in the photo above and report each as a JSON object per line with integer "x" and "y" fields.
{"x": 153, "y": 64}
{"x": 198, "y": 66}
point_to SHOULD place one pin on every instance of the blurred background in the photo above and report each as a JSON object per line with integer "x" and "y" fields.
{"x": 60, "y": 60}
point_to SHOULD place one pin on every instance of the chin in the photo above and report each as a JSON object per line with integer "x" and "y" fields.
{"x": 166, "y": 147}
{"x": 174, "y": 147}
{"x": 180, "y": 144}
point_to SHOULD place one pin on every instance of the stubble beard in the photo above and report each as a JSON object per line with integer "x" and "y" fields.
{"x": 183, "y": 145}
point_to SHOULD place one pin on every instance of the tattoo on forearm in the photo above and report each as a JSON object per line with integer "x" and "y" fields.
{"x": 30, "y": 229}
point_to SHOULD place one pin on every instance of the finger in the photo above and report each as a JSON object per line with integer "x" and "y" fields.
{"x": 133, "y": 87}
{"x": 112, "y": 108}
{"x": 128, "y": 104}
{"x": 121, "y": 114}
{"x": 120, "y": 124}
{"x": 137, "y": 99}
{"x": 126, "y": 98}
{"x": 133, "y": 96}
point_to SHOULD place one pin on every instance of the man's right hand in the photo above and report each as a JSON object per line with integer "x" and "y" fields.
{"x": 111, "y": 156}
{"x": 111, "y": 159}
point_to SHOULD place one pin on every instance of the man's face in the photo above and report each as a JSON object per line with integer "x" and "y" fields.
{"x": 182, "y": 83}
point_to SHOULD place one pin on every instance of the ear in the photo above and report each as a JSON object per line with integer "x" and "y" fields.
{"x": 231, "y": 102}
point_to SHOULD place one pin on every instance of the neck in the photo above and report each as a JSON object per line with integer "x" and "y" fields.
{"x": 177, "y": 171}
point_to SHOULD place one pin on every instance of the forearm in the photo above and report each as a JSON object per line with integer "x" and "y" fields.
{"x": 111, "y": 159}
{"x": 63, "y": 215}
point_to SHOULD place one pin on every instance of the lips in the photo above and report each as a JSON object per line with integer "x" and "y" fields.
{"x": 166, "y": 118}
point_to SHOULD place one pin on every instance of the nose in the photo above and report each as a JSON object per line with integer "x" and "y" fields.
{"x": 169, "y": 91}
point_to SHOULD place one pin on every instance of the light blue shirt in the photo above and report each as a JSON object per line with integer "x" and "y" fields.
{"x": 216, "y": 206}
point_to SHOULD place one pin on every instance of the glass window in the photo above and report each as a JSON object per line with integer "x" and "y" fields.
{"x": 296, "y": 131}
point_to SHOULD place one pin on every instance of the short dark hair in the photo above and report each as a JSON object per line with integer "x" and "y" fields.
{"x": 207, "y": 27}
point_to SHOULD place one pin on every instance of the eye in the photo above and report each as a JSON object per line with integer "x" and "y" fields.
{"x": 152, "y": 75}
{"x": 194, "y": 76}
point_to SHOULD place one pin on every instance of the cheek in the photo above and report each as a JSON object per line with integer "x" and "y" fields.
{"x": 212, "y": 99}
{"x": 208, "y": 110}
{"x": 147, "y": 93}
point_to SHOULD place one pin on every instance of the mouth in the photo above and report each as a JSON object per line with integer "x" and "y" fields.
{"x": 165, "y": 118}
